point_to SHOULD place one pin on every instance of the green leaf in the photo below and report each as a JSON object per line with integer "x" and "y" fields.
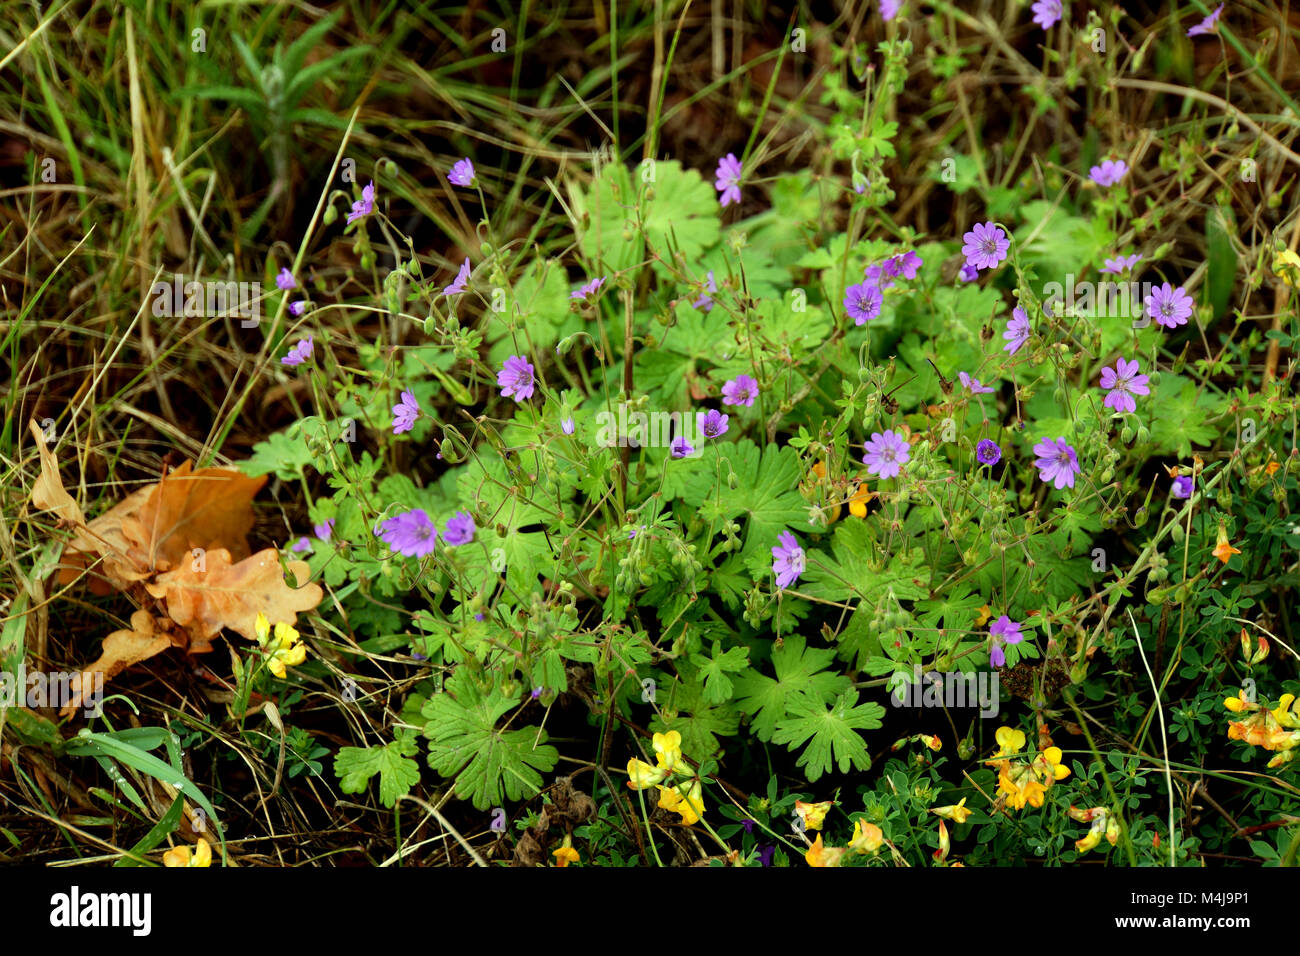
{"x": 486, "y": 762}
{"x": 714, "y": 669}
{"x": 678, "y": 212}
{"x": 855, "y": 573}
{"x": 765, "y": 495}
{"x": 683, "y": 708}
{"x": 285, "y": 453}
{"x": 800, "y": 674}
{"x": 398, "y": 773}
{"x": 1182, "y": 419}
{"x": 830, "y": 734}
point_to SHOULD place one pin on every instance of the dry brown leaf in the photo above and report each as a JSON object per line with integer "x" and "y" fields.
{"x": 120, "y": 650}
{"x": 229, "y": 594}
{"x": 208, "y": 508}
{"x": 158, "y": 525}
{"x": 47, "y": 491}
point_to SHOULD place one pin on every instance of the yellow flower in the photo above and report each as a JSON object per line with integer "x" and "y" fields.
{"x": 986, "y": 612}
{"x": 182, "y": 856}
{"x": 1239, "y": 703}
{"x": 1287, "y": 712}
{"x": 1271, "y": 467}
{"x": 283, "y": 650}
{"x": 1009, "y": 741}
{"x": 867, "y": 837}
{"x": 1222, "y": 549}
{"x": 941, "y": 854}
{"x": 1048, "y": 765}
{"x": 566, "y": 854}
{"x": 668, "y": 749}
{"x": 1020, "y": 786}
{"x": 934, "y": 743}
{"x": 819, "y": 469}
{"x": 861, "y": 497}
{"x": 958, "y": 812}
{"x": 819, "y": 855}
{"x": 689, "y": 804}
{"x": 812, "y": 814}
{"x": 642, "y": 774}
{"x": 1286, "y": 265}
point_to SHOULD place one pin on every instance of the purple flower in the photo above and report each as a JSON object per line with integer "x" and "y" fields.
{"x": 462, "y": 173}
{"x": 748, "y": 825}
{"x": 1170, "y": 307}
{"x": 405, "y": 413}
{"x": 302, "y": 544}
{"x": 886, "y": 454}
{"x": 863, "y": 301}
{"x": 968, "y": 273}
{"x": 1003, "y": 631}
{"x": 705, "y": 301}
{"x": 879, "y": 275}
{"x": 908, "y": 264}
{"x": 479, "y": 617}
{"x": 889, "y": 9}
{"x": 1121, "y": 264}
{"x": 1108, "y": 173}
{"x": 297, "y": 308}
{"x": 537, "y": 691}
{"x": 1056, "y": 462}
{"x": 299, "y": 353}
{"x": 1046, "y": 12}
{"x": 462, "y": 278}
{"x": 410, "y": 533}
{"x": 567, "y": 425}
{"x": 588, "y": 289}
{"x": 516, "y": 378}
{"x": 728, "y": 179}
{"x": 324, "y": 529}
{"x": 988, "y": 452}
{"x": 712, "y": 424}
{"x": 973, "y": 384}
{"x": 1208, "y": 24}
{"x": 365, "y": 205}
{"x": 787, "y": 560}
{"x": 680, "y": 448}
{"x": 459, "y": 530}
{"x": 1184, "y": 485}
{"x": 765, "y": 853}
{"x": 1123, "y": 382}
{"x": 1017, "y": 333}
{"x": 285, "y": 280}
{"x": 741, "y": 390}
{"x": 986, "y": 246}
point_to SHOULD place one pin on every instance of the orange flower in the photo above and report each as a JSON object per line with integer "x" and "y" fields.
{"x": 566, "y": 854}
{"x": 1222, "y": 549}
{"x": 1271, "y": 467}
{"x": 819, "y": 855}
{"x": 861, "y": 497}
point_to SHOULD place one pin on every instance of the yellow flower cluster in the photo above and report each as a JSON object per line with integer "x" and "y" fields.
{"x": 1103, "y": 824}
{"x": 1025, "y": 781}
{"x": 867, "y": 838}
{"x": 685, "y": 798}
{"x": 283, "y": 650}
{"x": 1277, "y": 729}
{"x": 201, "y": 855}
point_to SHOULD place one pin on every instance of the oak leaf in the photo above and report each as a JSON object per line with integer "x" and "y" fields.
{"x": 141, "y": 641}
{"x": 229, "y": 594}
